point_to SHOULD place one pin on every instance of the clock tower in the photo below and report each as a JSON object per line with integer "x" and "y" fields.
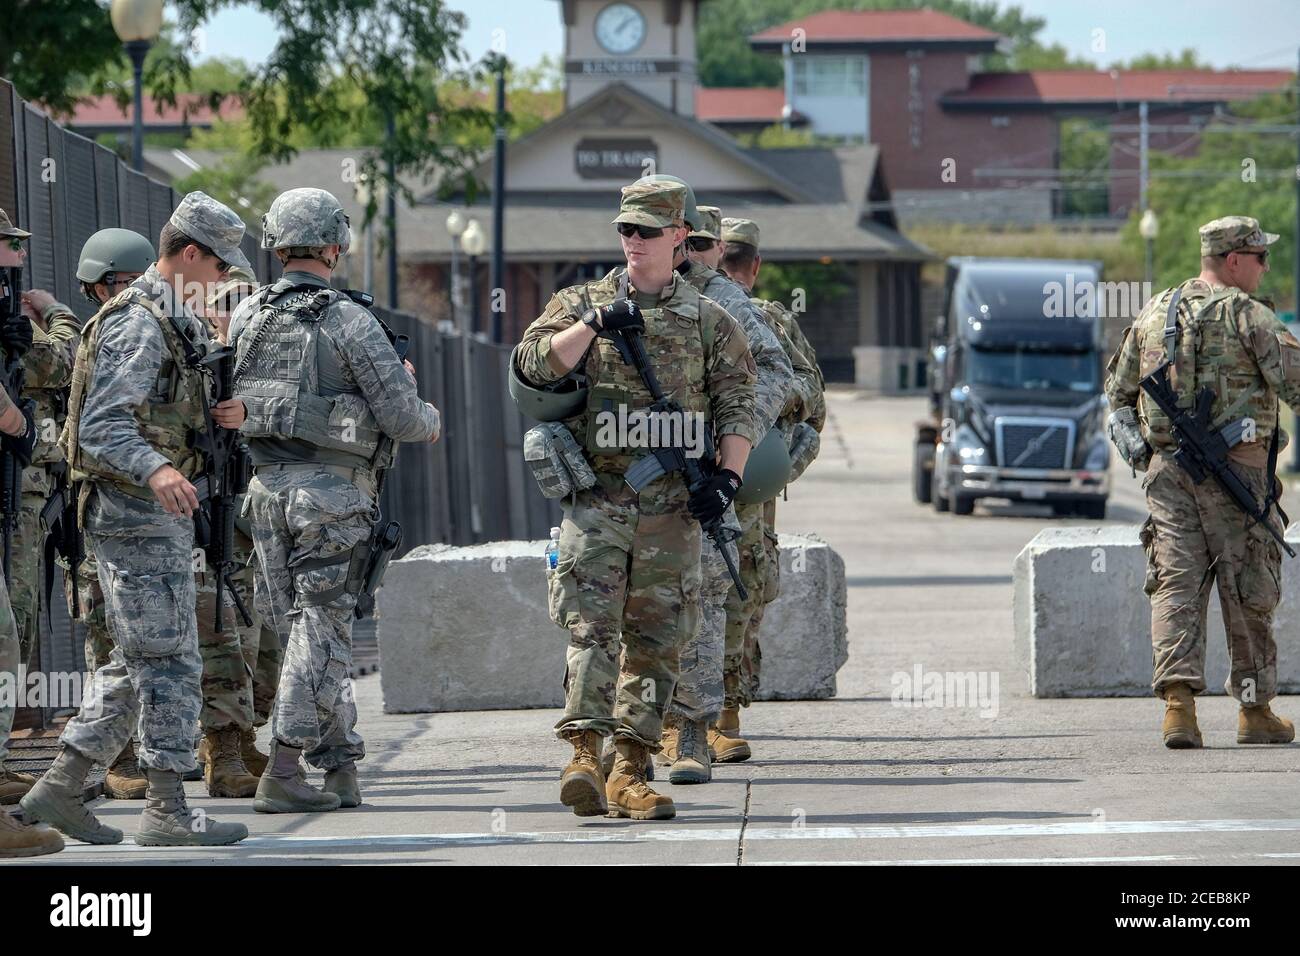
{"x": 646, "y": 44}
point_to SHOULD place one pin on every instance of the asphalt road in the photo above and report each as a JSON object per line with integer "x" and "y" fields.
{"x": 857, "y": 779}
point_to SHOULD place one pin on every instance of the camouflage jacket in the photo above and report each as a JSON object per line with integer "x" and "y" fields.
{"x": 47, "y": 369}
{"x": 807, "y": 402}
{"x": 134, "y": 407}
{"x": 1228, "y": 341}
{"x": 700, "y": 356}
{"x": 775, "y": 375}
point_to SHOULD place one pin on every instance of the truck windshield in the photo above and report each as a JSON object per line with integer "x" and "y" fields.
{"x": 1034, "y": 369}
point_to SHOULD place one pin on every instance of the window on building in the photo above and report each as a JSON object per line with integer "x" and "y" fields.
{"x": 829, "y": 75}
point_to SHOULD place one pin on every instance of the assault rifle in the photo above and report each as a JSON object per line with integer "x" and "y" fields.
{"x": 1203, "y": 453}
{"x": 11, "y": 462}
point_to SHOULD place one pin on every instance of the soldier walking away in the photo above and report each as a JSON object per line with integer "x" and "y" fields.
{"x": 138, "y": 399}
{"x": 628, "y": 567}
{"x": 18, "y": 434}
{"x": 1220, "y": 346}
{"x": 327, "y": 397}
{"x": 110, "y": 261}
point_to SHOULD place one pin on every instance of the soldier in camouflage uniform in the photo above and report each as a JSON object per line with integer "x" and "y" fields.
{"x": 110, "y": 261}
{"x": 1224, "y": 338}
{"x": 136, "y": 402}
{"x": 629, "y": 563}
{"x": 18, "y": 431}
{"x": 760, "y": 562}
{"x": 327, "y": 397}
{"x": 698, "y": 701}
{"x": 231, "y": 760}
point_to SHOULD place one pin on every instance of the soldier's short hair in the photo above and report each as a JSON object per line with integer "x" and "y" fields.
{"x": 302, "y": 252}
{"x": 172, "y": 242}
{"x": 738, "y": 255}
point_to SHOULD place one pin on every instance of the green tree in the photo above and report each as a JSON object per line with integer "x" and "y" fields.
{"x": 1085, "y": 167}
{"x": 1237, "y": 171}
{"x": 54, "y": 73}
{"x": 1186, "y": 60}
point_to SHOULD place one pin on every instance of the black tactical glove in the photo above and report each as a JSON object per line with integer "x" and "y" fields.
{"x": 710, "y": 499}
{"x": 16, "y": 335}
{"x": 23, "y": 445}
{"x": 619, "y": 316}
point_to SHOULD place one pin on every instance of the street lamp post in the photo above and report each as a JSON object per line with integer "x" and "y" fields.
{"x": 1148, "y": 229}
{"x": 475, "y": 243}
{"x": 137, "y": 23}
{"x": 455, "y": 228}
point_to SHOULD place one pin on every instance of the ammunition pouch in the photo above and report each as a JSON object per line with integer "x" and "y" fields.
{"x": 1126, "y": 436}
{"x": 556, "y": 461}
{"x": 366, "y": 562}
{"x": 805, "y": 444}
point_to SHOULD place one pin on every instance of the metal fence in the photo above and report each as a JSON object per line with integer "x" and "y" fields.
{"x": 471, "y": 486}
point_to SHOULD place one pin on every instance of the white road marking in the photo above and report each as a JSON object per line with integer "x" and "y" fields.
{"x": 670, "y": 833}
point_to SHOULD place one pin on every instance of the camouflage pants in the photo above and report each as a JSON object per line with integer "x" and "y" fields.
{"x": 266, "y": 673}
{"x": 299, "y": 517}
{"x": 698, "y": 694}
{"x": 150, "y": 684}
{"x": 738, "y": 675}
{"x": 11, "y": 659}
{"x": 90, "y": 604}
{"x": 26, "y": 564}
{"x": 230, "y": 655}
{"x": 629, "y": 567}
{"x": 1195, "y": 535}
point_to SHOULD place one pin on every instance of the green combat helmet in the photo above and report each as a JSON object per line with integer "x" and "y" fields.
{"x": 693, "y": 218}
{"x": 114, "y": 250}
{"x": 560, "y": 400}
{"x": 767, "y": 471}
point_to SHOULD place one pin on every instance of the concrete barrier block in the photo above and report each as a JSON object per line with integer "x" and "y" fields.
{"x": 467, "y": 628}
{"x": 1083, "y": 623}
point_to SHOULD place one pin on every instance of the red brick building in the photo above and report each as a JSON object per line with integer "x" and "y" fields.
{"x": 960, "y": 144}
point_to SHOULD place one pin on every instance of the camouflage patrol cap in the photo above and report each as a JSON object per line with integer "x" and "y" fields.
{"x": 306, "y": 217}
{"x": 1231, "y": 233}
{"x": 661, "y": 204}
{"x": 710, "y": 223}
{"x": 214, "y": 224}
{"x": 740, "y": 230}
{"x": 228, "y": 292}
{"x": 7, "y": 228}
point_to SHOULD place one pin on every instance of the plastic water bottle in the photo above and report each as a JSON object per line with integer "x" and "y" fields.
{"x": 552, "y": 553}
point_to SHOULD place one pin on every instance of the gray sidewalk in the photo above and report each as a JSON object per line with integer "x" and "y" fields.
{"x": 851, "y": 780}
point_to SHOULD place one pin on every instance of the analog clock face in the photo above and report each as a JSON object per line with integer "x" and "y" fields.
{"x": 620, "y": 28}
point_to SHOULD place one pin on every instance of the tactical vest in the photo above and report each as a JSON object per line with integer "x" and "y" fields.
{"x": 674, "y": 342}
{"x": 277, "y": 375}
{"x": 1207, "y": 350}
{"x": 167, "y": 426}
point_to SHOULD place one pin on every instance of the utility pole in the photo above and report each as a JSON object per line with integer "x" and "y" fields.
{"x": 391, "y": 195}
{"x": 1144, "y": 142}
{"x": 499, "y": 197}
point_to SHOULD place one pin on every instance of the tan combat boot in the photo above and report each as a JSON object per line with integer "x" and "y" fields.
{"x": 1259, "y": 725}
{"x": 223, "y": 770}
{"x": 57, "y": 800}
{"x": 168, "y": 821}
{"x": 628, "y": 794}
{"x": 125, "y": 780}
{"x": 692, "y": 764}
{"x": 725, "y": 742}
{"x": 1180, "y": 729}
{"x": 668, "y": 741}
{"x": 14, "y": 785}
{"x": 18, "y": 839}
{"x": 254, "y": 759}
{"x": 582, "y": 783}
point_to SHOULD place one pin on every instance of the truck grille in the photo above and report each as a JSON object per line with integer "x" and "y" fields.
{"x": 1034, "y": 442}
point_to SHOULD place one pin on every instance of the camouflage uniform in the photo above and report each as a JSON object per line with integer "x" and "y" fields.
{"x": 313, "y": 498}
{"x": 700, "y": 688}
{"x": 47, "y": 371}
{"x": 1235, "y": 344}
{"x": 135, "y": 406}
{"x": 629, "y": 563}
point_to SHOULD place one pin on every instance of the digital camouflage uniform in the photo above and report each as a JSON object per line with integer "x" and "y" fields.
{"x": 629, "y": 563}
{"x": 134, "y": 407}
{"x": 1235, "y": 344}
{"x": 313, "y": 497}
{"x": 47, "y": 369}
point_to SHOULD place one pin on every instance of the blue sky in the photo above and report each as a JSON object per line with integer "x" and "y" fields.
{"x": 1253, "y": 34}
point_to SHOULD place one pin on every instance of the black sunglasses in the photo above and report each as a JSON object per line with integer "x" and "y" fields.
{"x": 629, "y": 229}
{"x": 700, "y": 243}
{"x": 1262, "y": 255}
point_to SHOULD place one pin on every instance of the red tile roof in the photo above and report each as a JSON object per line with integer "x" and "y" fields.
{"x": 865, "y": 26}
{"x": 1078, "y": 86}
{"x": 736, "y": 104}
{"x": 104, "y": 111}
